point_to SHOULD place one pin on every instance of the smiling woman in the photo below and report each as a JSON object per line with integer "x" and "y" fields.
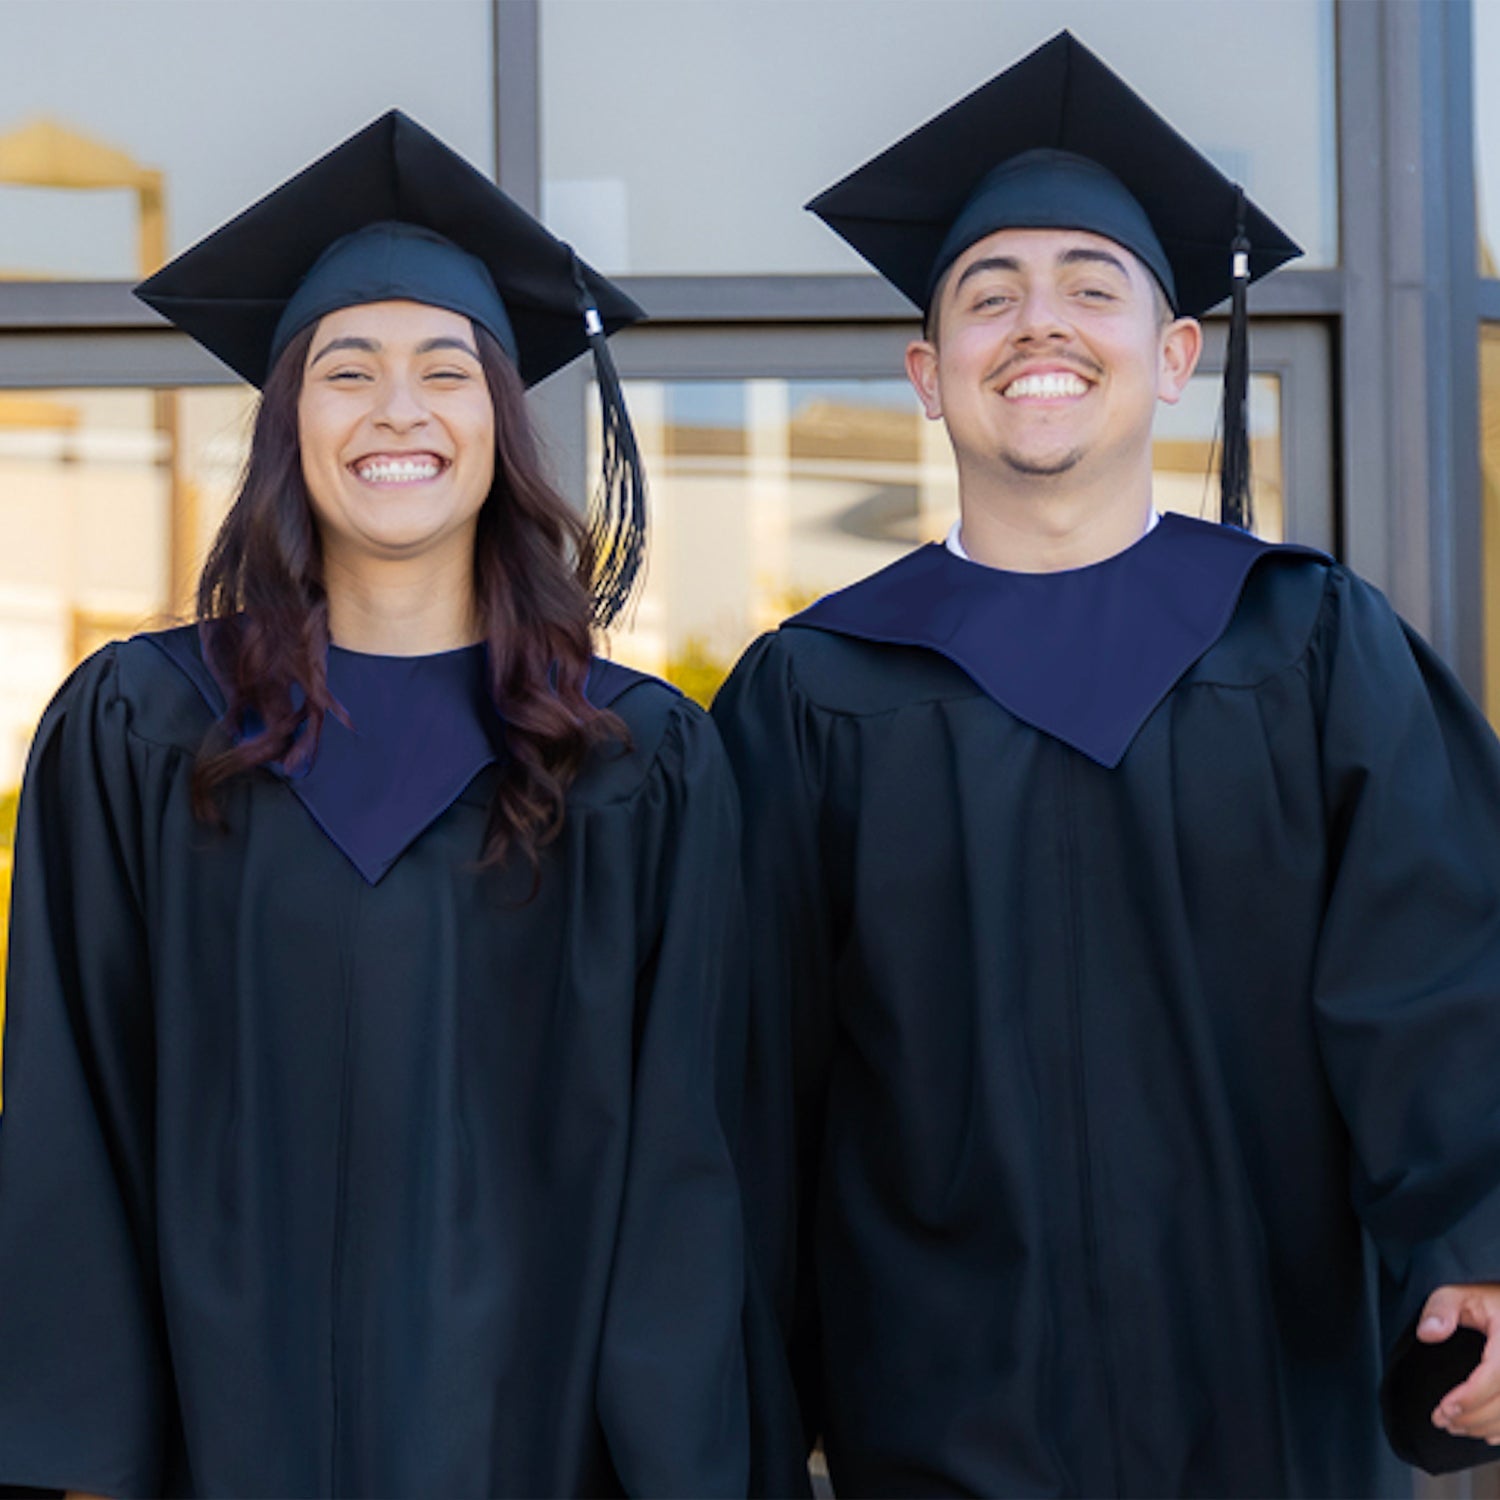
{"x": 398, "y": 407}
{"x": 398, "y": 435}
{"x": 373, "y": 940}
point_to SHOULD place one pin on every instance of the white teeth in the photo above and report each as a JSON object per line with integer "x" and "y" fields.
{"x": 397, "y": 470}
{"x": 1053, "y": 383}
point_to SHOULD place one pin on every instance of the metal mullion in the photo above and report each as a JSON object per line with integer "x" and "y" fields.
{"x": 71, "y": 305}
{"x": 518, "y": 125}
{"x": 823, "y": 298}
{"x": 1456, "y": 477}
{"x": 1409, "y": 446}
{"x": 92, "y": 358}
{"x": 1365, "y": 333}
{"x": 678, "y": 299}
{"x": 824, "y": 351}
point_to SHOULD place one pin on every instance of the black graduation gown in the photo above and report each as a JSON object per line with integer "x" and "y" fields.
{"x": 1108, "y": 1079}
{"x": 313, "y": 1186}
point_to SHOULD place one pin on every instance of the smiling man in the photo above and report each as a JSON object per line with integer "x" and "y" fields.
{"x": 1076, "y": 339}
{"x": 1127, "y": 893}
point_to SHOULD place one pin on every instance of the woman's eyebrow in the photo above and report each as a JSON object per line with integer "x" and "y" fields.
{"x": 448, "y": 342}
{"x": 365, "y": 346}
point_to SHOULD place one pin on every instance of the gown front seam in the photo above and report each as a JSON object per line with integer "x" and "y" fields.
{"x": 340, "y": 1210}
{"x": 1073, "y": 938}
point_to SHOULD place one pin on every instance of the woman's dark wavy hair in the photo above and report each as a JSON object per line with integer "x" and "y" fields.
{"x": 263, "y": 616}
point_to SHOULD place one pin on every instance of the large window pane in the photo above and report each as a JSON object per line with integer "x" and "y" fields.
{"x": 767, "y": 494}
{"x": 1489, "y": 457}
{"x": 213, "y": 103}
{"x": 108, "y": 500}
{"x": 1486, "y": 56}
{"x": 682, "y": 136}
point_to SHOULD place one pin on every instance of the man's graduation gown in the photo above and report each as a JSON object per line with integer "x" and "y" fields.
{"x": 313, "y": 1182}
{"x": 1136, "y": 937}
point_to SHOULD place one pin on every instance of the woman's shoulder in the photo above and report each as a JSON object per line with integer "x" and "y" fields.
{"x": 641, "y": 700}
{"x": 667, "y": 731}
{"x": 154, "y": 676}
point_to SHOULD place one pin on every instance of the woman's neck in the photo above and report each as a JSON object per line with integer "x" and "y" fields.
{"x": 405, "y": 607}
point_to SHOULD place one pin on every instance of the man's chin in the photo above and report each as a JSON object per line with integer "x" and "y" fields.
{"x": 1042, "y": 465}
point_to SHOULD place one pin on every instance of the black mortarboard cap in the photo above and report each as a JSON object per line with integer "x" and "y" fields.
{"x": 1060, "y": 141}
{"x": 394, "y": 213}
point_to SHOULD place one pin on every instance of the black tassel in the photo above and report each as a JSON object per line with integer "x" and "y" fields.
{"x": 617, "y": 511}
{"x": 1234, "y": 470}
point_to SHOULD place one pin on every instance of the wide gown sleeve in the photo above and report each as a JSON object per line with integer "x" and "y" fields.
{"x": 1408, "y": 989}
{"x": 672, "y": 1393}
{"x": 82, "y": 1382}
{"x": 778, "y": 745}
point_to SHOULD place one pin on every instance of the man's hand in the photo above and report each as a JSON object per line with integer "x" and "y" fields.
{"x": 1473, "y": 1408}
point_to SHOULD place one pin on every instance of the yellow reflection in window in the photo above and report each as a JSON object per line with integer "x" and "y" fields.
{"x": 54, "y": 154}
{"x": 1489, "y": 459}
{"x": 108, "y": 502}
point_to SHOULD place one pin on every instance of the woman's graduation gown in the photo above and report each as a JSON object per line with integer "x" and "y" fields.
{"x": 1146, "y": 1031}
{"x": 315, "y": 1181}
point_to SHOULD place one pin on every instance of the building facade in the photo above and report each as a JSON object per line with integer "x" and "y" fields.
{"x": 673, "y": 142}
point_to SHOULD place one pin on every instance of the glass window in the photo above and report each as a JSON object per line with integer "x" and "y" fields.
{"x": 128, "y": 132}
{"x": 108, "y": 501}
{"x": 692, "y": 148}
{"x": 767, "y": 494}
{"x": 1489, "y": 459}
{"x": 1486, "y": 54}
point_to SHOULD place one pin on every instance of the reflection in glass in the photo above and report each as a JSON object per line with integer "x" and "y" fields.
{"x": 1486, "y": 60}
{"x": 1489, "y": 460}
{"x": 725, "y": 118}
{"x": 108, "y": 501}
{"x": 767, "y": 494}
{"x": 46, "y": 157}
{"x": 83, "y": 145}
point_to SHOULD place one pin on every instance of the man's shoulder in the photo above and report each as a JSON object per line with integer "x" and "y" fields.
{"x": 1278, "y": 618}
{"x": 844, "y": 674}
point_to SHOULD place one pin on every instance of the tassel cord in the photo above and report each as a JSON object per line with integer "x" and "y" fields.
{"x": 1235, "y": 508}
{"x": 617, "y": 510}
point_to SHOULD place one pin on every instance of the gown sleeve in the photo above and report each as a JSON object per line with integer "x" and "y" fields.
{"x": 672, "y": 1395}
{"x": 81, "y": 1357}
{"x": 778, "y": 744}
{"x": 1407, "y": 997}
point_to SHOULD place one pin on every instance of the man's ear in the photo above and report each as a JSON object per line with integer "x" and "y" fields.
{"x": 921, "y": 370}
{"x": 1181, "y": 346}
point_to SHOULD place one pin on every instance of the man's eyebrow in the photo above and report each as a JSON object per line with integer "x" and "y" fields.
{"x": 989, "y": 263}
{"x": 1087, "y": 254}
{"x": 365, "y": 346}
{"x": 1079, "y": 254}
